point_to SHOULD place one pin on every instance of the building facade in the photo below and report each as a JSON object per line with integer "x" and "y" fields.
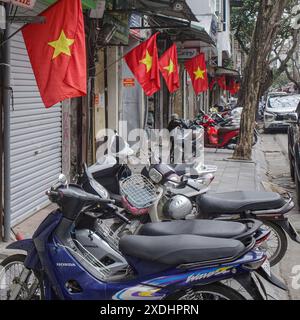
{"x": 45, "y": 142}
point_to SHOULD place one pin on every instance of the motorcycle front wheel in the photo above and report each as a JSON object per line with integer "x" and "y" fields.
{"x": 10, "y": 272}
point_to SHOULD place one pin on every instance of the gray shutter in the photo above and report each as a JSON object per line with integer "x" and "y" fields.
{"x": 36, "y": 136}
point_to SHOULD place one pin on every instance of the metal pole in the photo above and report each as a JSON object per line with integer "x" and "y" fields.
{"x": 6, "y": 108}
{"x": 1, "y": 156}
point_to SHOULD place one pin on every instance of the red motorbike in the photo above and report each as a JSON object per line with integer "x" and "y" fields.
{"x": 220, "y": 136}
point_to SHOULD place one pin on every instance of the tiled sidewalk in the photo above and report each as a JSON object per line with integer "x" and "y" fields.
{"x": 232, "y": 175}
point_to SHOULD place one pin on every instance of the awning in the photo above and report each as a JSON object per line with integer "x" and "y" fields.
{"x": 86, "y": 4}
{"x": 191, "y": 36}
{"x": 170, "y": 8}
{"x": 226, "y": 71}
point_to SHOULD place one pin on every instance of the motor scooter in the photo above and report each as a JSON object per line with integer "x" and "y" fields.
{"x": 164, "y": 196}
{"x": 115, "y": 166}
{"x": 222, "y": 133}
{"x": 181, "y": 267}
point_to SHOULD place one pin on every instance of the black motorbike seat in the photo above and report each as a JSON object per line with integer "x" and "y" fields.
{"x": 205, "y": 228}
{"x": 223, "y": 130}
{"x": 179, "y": 249}
{"x": 239, "y": 202}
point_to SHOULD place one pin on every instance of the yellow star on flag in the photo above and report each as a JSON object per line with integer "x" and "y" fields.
{"x": 61, "y": 45}
{"x": 171, "y": 67}
{"x": 199, "y": 73}
{"x": 147, "y": 61}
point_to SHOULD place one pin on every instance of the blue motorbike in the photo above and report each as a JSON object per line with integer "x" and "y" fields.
{"x": 58, "y": 266}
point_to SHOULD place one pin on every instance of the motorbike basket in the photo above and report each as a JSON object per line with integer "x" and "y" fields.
{"x": 139, "y": 193}
{"x": 106, "y": 232}
{"x": 133, "y": 210}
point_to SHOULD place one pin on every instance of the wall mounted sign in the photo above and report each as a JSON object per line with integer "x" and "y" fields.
{"x": 129, "y": 82}
{"x": 29, "y": 4}
{"x": 185, "y": 54}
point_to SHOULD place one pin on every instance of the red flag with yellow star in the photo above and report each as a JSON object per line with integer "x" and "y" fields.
{"x": 234, "y": 87}
{"x": 168, "y": 65}
{"x": 57, "y": 52}
{"x": 196, "y": 68}
{"x": 143, "y": 63}
{"x": 222, "y": 82}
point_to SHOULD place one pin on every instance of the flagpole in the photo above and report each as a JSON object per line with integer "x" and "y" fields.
{"x": 40, "y": 20}
{"x": 6, "y": 108}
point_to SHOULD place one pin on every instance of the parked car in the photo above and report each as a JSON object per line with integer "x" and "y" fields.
{"x": 280, "y": 110}
{"x": 294, "y": 151}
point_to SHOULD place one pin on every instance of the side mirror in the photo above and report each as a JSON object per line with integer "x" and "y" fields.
{"x": 62, "y": 179}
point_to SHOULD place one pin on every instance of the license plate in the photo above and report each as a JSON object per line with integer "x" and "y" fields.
{"x": 267, "y": 267}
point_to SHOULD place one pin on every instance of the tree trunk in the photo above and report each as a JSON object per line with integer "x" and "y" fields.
{"x": 256, "y": 71}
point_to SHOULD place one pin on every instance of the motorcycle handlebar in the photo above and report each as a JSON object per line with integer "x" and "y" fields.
{"x": 58, "y": 195}
{"x": 123, "y": 218}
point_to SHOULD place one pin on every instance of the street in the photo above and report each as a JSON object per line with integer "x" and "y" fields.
{"x": 275, "y": 147}
{"x": 269, "y": 171}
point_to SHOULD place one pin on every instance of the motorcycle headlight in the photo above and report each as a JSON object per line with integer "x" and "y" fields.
{"x": 155, "y": 176}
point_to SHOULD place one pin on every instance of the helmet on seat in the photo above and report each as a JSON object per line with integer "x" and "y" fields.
{"x": 178, "y": 207}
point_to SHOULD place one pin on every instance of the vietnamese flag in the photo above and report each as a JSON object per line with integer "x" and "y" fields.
{"x": 231, "y": 86}
{"x": 222, "y": 82}
{"x": 57, "y": 52}
{"x": 235, "y": 88}
{"x": 168, "y": 65}
{"x": 143, "y": 63}
{"x": 212, "y": 83}
{"x": 196, "y": 68}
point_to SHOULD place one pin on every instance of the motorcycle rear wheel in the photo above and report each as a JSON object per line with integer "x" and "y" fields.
{"x": 276, "y": 255}
{"x": 10, "y": 271}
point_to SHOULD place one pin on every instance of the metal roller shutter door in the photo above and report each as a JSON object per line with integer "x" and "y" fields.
{"x": 36, "y": 136}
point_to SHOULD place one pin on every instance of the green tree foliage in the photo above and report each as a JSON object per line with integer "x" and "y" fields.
{"x": 243, "y": 20}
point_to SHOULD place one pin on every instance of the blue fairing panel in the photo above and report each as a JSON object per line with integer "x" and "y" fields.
{"x": 25, "y": 245}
